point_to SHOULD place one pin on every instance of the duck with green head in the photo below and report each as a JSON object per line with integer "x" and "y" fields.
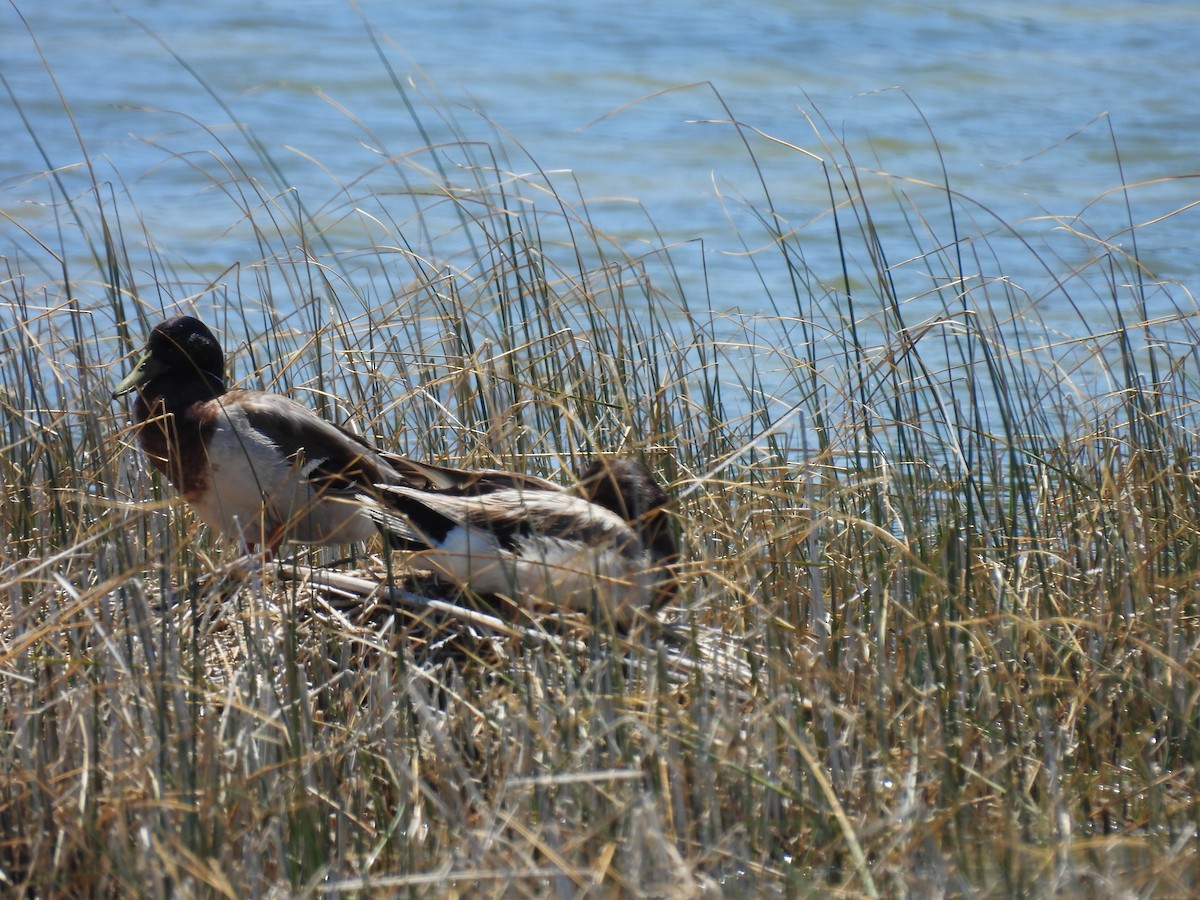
{"x": 262, "y": 466}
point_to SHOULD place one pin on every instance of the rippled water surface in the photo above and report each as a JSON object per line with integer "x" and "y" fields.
{"x": 1038, "y": 110}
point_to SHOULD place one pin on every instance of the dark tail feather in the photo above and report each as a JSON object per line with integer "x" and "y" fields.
{"x": 406, "y": 522}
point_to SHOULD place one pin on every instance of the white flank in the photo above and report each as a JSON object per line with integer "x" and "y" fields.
{"x": 561, "y": 569}
{"x": 257, "y": 492}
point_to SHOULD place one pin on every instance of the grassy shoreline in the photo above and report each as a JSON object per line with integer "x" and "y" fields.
{"x": 939, "y": 633}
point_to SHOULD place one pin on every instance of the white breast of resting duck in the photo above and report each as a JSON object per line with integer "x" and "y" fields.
{"x": 256, "y": 491}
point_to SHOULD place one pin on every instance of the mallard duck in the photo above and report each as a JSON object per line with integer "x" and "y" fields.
{"x": 260, "y": 465}
{"x": 266, "y": 468}
{"x": 547, "y": 545}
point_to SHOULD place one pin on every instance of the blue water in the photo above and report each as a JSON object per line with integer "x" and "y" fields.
{"x": 1036, "y": 112}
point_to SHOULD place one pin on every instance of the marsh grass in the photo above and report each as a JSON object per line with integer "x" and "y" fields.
{"x": 938, "y": 633}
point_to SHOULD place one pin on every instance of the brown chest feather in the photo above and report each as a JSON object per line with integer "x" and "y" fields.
{"x": 175, "y": 445}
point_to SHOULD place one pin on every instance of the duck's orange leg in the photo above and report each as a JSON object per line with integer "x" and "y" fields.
{"x": 271, "y": 550}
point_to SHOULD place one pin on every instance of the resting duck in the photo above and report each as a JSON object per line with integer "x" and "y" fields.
{"x": 261, "y": 465}
{"x": 550, "y": 545}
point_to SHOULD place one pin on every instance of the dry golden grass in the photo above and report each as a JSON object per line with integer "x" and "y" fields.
{"x": 938, "y": 634}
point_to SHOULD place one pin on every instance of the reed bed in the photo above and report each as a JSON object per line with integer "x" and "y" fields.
{"x": 938, "y": 632}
